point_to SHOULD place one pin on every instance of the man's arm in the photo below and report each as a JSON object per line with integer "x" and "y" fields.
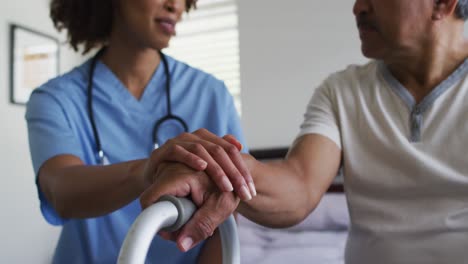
{"x": 287, "y": 190}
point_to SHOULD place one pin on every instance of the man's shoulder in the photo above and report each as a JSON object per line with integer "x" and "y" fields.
{"x": 355, "y": 72}
{"x": 352, "y": 79}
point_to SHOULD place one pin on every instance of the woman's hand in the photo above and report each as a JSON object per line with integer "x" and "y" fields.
{"x": 202, "y": 150}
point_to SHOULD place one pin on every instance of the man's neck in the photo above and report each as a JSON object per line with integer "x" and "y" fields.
{"x": 422, "y": 71}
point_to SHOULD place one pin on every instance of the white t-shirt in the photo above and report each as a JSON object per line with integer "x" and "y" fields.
{"x": 405, "y": 165}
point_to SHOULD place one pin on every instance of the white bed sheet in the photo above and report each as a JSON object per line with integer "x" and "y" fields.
{"x": 320, "y": 238}
{"x": 276, "y": 246}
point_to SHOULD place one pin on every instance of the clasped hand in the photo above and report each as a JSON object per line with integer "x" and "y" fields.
{"x": 208, "y": 169}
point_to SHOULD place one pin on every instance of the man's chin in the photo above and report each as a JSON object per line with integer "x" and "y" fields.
{"x": 370, "y": 53}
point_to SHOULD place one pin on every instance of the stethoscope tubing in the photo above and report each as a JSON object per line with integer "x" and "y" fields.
{"x": 169, "y": 115}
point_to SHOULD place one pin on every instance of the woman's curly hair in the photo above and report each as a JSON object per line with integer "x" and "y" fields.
{"x": 88, "y": 22}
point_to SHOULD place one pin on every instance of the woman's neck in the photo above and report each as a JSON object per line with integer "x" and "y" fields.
{"x": 133, "y": 66}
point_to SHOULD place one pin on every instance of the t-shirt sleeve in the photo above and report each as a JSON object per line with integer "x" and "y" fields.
{"x": 50, "y": 134}
{"x": 321, "y": 116}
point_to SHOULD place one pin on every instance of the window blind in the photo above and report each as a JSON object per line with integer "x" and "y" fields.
{"x": 208, "y": 39}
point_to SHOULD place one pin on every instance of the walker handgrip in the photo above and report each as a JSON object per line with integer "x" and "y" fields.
{"x": 169, "y": 214}
{"x": 184, "y": 206}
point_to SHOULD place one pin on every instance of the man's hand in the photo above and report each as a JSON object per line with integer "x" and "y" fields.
{"x": 214, "y": 206}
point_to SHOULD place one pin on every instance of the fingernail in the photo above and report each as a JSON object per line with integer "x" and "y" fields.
{"x": 245, "y": 193}
{"x": 241, "y": 147}
{"x": 202, "y": 164}
{"x": 252, "y": 189}
{"x": 227, "y": 184}
{"x": 186, "y": 243}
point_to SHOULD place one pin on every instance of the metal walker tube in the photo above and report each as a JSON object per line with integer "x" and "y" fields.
{"x": 171, "y": 213}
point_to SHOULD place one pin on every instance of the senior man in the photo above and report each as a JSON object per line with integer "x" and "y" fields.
{"x": 398, "y": 126}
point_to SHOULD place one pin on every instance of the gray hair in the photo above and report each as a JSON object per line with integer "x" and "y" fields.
{"x": 462, "y": 9}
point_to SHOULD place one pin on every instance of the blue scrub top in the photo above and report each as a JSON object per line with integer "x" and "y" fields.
{"x": 58, "y": 123}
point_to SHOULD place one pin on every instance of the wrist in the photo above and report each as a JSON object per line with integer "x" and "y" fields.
{"x": 250, "y": 162}
{"x": 137, "y": 172}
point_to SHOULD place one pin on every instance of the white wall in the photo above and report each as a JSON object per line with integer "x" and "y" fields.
{"x": 24, "y": 235}
{"x": 287, "y": 49}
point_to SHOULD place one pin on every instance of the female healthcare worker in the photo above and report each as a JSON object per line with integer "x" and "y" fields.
{"x": 92, "y": 129}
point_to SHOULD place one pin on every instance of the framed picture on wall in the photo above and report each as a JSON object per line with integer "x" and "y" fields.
{"x": 34, "y": 59}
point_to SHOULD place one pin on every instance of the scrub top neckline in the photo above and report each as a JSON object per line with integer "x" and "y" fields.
{"x": 155, "y": 88}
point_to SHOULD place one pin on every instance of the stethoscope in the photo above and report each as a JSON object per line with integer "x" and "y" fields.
{"x": 169, "y": 116}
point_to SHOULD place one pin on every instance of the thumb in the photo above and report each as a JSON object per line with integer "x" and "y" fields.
{"x": 217, "y": 208}
{"x": 201, "y": 226}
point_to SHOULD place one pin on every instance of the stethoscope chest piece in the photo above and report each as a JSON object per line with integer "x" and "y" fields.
{"x": 171, "y": 125}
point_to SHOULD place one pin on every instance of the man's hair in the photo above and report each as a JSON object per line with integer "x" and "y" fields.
{"x": 462, "y": 9}
{"x": 88, "y": 22}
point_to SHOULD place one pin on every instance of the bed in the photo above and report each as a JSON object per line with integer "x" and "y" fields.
{"x": 320, "y": 238}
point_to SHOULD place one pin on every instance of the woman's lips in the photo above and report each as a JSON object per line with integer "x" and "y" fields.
{"x": 167, "y": 25}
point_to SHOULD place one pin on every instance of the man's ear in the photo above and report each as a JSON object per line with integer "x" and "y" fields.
{"x": 443, "y": 9}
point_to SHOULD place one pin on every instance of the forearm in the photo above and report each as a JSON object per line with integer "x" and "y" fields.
{"x": 284, "y": 195}
{"x": 81, "y": 191}
{"x": 289, "y": 189}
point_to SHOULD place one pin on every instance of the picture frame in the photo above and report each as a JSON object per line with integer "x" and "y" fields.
{"x": 34, "y": 59}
